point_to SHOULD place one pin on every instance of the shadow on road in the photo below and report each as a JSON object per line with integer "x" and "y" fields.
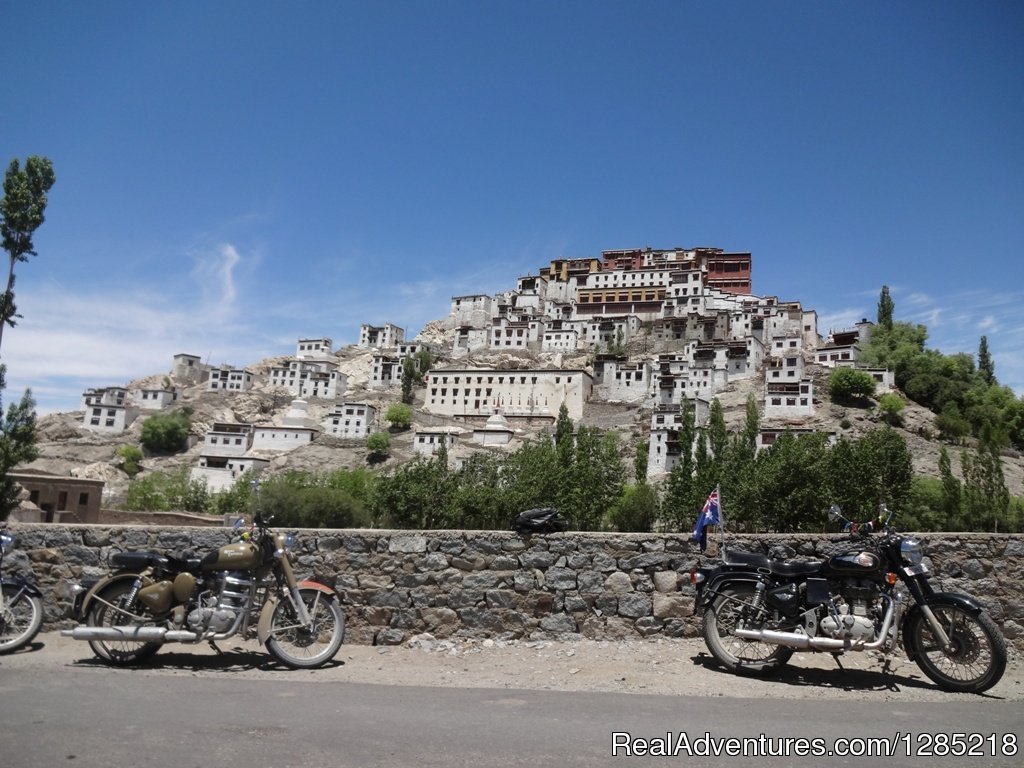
{"x": 229, "y": 660}
{"x": 839, "y": 678}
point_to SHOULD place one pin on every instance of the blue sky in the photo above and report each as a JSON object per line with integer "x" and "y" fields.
{"x": 232, "y": 176}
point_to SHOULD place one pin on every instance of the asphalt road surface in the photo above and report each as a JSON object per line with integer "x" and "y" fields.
{"x": 59, "y": 707}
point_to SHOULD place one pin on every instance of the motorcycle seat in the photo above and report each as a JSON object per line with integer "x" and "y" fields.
{"x": 735, "y": 557}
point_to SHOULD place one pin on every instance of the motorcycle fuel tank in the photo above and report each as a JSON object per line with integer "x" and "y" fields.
{"x": 244, "y": 556}
{"x": 855, "y": 563}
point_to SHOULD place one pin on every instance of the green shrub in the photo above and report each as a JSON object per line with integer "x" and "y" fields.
{"x": 130, "y": 456}
{"x": 849, "y": 383}
{"x": 399, "y": 415}
{"x": 166, "y": 432}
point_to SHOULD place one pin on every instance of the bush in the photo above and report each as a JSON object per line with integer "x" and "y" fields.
{"x": 130, "y": 456}
{"x": 849, "y": 383}
{"x": 166, "y": 432}
{"x": 400, "y": 415}
{"x": 379, "y": 445}
{"x": 890, "y": 405}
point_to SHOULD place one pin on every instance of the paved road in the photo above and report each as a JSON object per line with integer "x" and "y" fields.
{"x": 93, "y": 717}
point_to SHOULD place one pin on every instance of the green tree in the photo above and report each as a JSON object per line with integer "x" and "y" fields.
{"x": 564, "y": 438}
{"x": 594, "y": 481}
{"x": 846, "y": 384}
{"x": 379, "y": 446}
{"x": 130, "y": 456}
{"x": 951, "y": 424}
{"x": 408, "y": 380}
{"x": 679, "y": 488}
{"x": 986, "y": 500}
{"x": 399, "y": 415}
{"x": 22, "y": 210}
{"x": 17, "y": 444}
{"x": 886, "y": 307}
{"x": 166, "y": 432}
{"x": 791, "y": 473}
{"x": 951, "y": 492}
{"x": 640, "y": 461}
{"x": 986, "y": 367}
{"x": 636, "y": 509}
{"x": 890, "y": 406}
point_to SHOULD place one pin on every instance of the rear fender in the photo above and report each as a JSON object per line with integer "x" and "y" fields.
{"x": 965, "y": 602}
{"x": 720, "y": 580}
{"x": 14, "y": 581}
{"x": 267, "y": 614}
{"x": 99, "y": 586}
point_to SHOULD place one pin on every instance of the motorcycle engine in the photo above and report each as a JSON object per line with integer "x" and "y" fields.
{"x": 854, "y": 616}
{"x": 211, "y": 618}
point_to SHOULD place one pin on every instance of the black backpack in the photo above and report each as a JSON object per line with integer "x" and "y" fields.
{"x": 544, "y": 520}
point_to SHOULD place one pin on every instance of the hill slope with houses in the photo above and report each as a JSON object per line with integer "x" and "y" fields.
{"x": 620, "y": 340}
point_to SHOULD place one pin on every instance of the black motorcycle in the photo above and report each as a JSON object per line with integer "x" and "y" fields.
{"x": 758, "y": 610}
{"x": 21, "y": 605}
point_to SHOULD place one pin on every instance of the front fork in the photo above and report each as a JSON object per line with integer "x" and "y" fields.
{"x": 293, "y": 591}
{"x": 922, "y": 590}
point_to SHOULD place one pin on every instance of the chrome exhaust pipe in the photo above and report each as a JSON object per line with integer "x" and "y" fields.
{"x": 805, "y": 642}
{"x": 139, "y": 634}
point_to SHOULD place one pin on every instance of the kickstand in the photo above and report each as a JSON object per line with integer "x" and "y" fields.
{"x": 838, "y": 662}
{"x": 214, "y": 646}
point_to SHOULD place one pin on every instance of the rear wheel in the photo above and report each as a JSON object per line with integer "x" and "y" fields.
{"x": 306, "y": 647}
{"x": 745, "y": 657}
{"x": 20, "y": 618}
{"x": 976, "y": 658}
{"x": 109, "y": 609}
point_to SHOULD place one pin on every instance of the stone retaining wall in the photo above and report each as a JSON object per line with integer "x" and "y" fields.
{"x": 396, "y": 584}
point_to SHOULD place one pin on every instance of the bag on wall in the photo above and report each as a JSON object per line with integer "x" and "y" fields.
{"x": 541, "y": 520}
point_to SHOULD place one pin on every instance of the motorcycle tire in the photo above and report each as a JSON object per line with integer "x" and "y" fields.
{"x": 20, "y": 620}
{"x": 299, "y": 647}
{"x": 119, "y": 652}
{"x": 743, "y": 657}
{"x": 976, "y": 659}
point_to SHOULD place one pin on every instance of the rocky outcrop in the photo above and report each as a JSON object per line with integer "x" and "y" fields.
{"x": 396, "y": 584}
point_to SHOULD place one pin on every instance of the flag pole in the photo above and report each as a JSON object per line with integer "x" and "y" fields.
{"x": 721, "y": 519}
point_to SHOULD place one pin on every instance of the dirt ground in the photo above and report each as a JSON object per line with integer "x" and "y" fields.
{"x": 658, "y": 666}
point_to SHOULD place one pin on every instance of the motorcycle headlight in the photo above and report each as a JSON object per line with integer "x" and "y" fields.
{"x": 286, "y": 544}
{"x": 6, "y": 542}
{"x": 911, "y": 552}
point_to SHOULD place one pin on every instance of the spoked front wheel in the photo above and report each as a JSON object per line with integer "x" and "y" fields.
{"x": 976, "y": 657}
{"x": 21, "y": 615}
{"x": 735, "y": 603}
{"x": 309, "y": 646}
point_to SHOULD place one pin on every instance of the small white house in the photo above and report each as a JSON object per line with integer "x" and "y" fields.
{"x": 227, "y": 379}
{"x": 315, "y": 348}
{"x": 380, "y": 336}
{"x": 189, "y": 368}
{"x": 154, "y": 399}
{"x": 221, "y": 472}
{"x": 428, "y": 441}
{"x": 495, "y": 432}
{"x": 350, "y": 420}
{"x": 106, "y": 410}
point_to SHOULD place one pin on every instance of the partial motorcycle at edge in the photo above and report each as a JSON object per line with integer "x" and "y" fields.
{"x": 21, "y": 605}
{"x": 873, "y": 594}
{"x": 244, "y": 589}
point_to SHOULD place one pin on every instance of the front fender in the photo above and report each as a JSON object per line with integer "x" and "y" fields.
{"x": 965, "y": 602}
{"x": 267, "y": 614}
{"x": 14, "y": 581}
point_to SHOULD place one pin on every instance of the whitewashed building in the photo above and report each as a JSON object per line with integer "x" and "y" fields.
{"x": 189, "y": 368}
{"x": 230, "y": 379}
{"x": 380, "y": 336}
{"x": 617, "y": 380}
{"x": 469, "y": 312}
{"x": 314, "y": 348}
{"x": 471, "y": 392}
{"x": 295, "y": 430}
{"x": 309, "y": 378}
{"x": 107, "y": 410}
{"x": 154, "y": 399}
{"x": 220, "y": 473}
{"x": 428, "y": 442}
{"x": 350, "y": 420}
{"x": 496, "y": 431}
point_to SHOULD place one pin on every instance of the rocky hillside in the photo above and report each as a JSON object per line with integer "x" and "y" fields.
{"x": 68, "y": 448}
